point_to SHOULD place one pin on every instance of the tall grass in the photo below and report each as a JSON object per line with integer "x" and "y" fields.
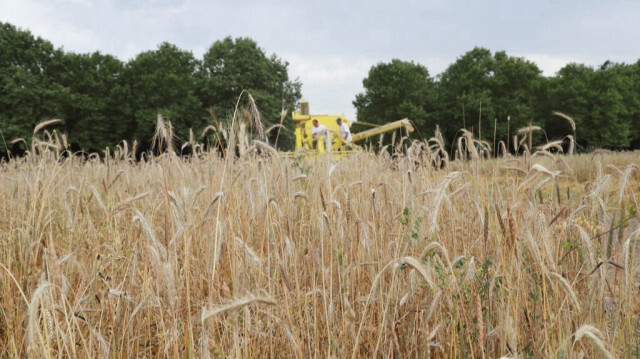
{"x": 263, "y": 255}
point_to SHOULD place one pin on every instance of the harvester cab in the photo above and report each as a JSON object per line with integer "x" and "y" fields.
{"x": 330, "y": 140}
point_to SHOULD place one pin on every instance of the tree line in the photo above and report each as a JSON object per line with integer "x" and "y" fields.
{"x": 494, "y": 95}
{"x": 104, "y": 100}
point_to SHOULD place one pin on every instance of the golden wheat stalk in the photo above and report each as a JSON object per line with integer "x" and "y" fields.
{"x": 46, "y": 123}
{"x": 236, "y": 305}
{"x": 570, "y": 120}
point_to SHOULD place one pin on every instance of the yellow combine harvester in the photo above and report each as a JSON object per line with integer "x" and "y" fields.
{"x": 331, "y": 141}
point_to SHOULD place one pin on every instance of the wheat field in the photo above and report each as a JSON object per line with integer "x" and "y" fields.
{"x": 267, "y": 256}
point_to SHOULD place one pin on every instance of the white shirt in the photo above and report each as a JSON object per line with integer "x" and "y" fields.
{"x": 344, "y": 130}
{"x": 315, "y": 131}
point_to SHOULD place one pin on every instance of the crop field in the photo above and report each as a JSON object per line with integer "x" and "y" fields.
{"x": 267, "y": 256}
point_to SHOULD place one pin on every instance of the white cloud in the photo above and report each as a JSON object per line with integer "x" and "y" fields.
{"x": 549, "y": 64}
{"x": 330, "y": 82}
{"x": 48, "y": 21}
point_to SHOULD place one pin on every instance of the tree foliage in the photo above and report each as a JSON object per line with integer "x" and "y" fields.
{"x": 231, "y": 66}
{"x": 103, "y": 100}
{"x": 484, "y": 93}
{"x": 394, "y": 91}
{"x": 28, "y": 93}
{"x": 494, "y": 94}
{"x": 597, "y": 100}
{"x": 164, "y": 81}
{"x": 93, "y": 101}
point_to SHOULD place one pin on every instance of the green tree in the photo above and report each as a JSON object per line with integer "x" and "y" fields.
{"x": 595, "y": 101}
{"x": 397, "y": 90}
{"x": 104, "y": 101}
{"x": 462, "y": 89}
{"x": 95, "y": 106}
{"x": 481, "y": 91}
{"x": 27, "y": 92}
{"x": 629, "y": 77}
{"x": 231, "y": 66}
{"x": 163, "y": 81}
{"x": 517, "y": 89}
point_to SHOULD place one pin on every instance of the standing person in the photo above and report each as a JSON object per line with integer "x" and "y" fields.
{"x": 317, "y": 129}
{"x": 344, "y": 130}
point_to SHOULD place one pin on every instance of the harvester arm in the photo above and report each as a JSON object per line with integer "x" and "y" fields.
{"x": 382, "y": 129}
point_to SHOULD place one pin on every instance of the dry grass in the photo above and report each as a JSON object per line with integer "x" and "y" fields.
{"x": 370, "y": 256}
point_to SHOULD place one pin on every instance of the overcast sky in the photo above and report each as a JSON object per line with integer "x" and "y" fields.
{"x": 331, "y": 45}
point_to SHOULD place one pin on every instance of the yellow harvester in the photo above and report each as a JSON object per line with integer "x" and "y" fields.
{"x": 332, "y": 141}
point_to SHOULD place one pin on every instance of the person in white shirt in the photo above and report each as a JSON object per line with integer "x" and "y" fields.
{"x": 344, "y": 130}
{"x": 317, "y": 132}
{"x": 317, "y": 129}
